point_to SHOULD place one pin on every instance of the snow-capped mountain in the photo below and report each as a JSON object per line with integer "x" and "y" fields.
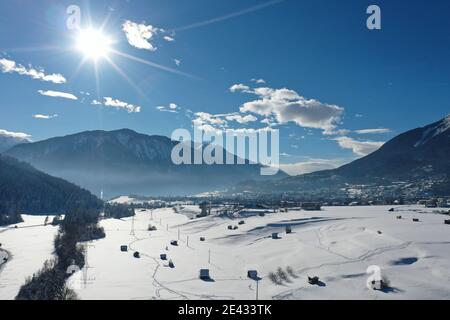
{"x": 418, "y": 159}
{"x": 127, "y": 162}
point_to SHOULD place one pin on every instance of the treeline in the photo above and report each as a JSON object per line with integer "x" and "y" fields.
{"x": 49, "y": 283}
{"x": 23, "y": 189}
{"x": 117, "y": 211}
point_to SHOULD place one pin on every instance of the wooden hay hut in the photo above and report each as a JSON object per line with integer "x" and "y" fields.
{"x": 204, "y": 274}
{"x": 313, "y": 280}
{"x": 252, "y": 274}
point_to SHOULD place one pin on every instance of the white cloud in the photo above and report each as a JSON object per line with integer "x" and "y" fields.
{"x": 241, "y": 119}
{"x": 140, "y": 35}
{"x": 45, "y": 116}
{"x": 173, "y": 108}
{"x": 373, "y": 131}
{"x": 258, "y": 81}
{"x": 288, "y": 106}
{"x": 337, "y": 132}
{"x": 57, "y": 94}
{"x": 239, "y": 87}
{"x": 177, "y": 62}
{"x": 10, "y": 66}
{"x": 311, "y": 165}
{"x": 115, "y": 103}
{"x": 361, "y": 148}
{"x": 15, "y": 135}
{"x": 204, "y": 118}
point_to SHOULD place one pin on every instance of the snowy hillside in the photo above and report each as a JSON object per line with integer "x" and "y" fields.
{"x": 30, "y": 245}
{"x": 337, "y": 244}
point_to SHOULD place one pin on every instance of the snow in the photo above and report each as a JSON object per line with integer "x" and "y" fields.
{"x": 126, "y": 200}
{"x": 30, "y": 245}
{"x": 432, "y": 132}
{"x": 337, "y": 244}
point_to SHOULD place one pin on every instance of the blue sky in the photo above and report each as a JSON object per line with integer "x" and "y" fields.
{"x": 328, "y": 80}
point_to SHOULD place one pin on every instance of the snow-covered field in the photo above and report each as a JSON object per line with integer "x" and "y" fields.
{"x": 337, "y": 244}
{"x": 29, "y": 245}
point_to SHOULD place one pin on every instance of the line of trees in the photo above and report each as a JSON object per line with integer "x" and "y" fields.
{"x": 49, "y": 283}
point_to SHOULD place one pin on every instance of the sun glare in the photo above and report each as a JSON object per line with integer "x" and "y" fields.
{"x": 93, "y": 44}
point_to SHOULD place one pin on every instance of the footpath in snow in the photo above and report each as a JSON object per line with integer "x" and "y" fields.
{"x": 337, "y": 244}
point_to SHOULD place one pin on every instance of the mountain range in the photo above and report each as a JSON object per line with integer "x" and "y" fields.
{"x": 415, "y": 163}
{"x": 126, "y": 162}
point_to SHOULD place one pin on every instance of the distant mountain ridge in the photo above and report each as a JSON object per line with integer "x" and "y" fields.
{"x": 126, "y": 162}
{"x": 8, "y": 141}
{"x": 418, "y": 161}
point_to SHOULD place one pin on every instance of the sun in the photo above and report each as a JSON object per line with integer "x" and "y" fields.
{"x": 93, "y": 44}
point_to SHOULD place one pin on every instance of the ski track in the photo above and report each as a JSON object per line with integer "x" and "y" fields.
{"x": 341, "y": 237}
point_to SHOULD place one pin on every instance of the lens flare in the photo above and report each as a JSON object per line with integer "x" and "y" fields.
{"x": 93, "y": 44}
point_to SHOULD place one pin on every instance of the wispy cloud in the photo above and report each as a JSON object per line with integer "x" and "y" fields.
{"x": 169, "y": 38}
{"x": 311, "y": 165}
{"x": 361, "y": 148}
{"x": 373, "y": 131}
{"x": 15, "y": 135}
{"x": 173, "y": 108}
{"x": 45, "y": 116}
{"x": 258, "y": 81}
{"x": 241, "y": 118}
{"x": 10, "y": 66}
{"x": 115, "y": 103}
{"x": 57, "y": 94}
{"x": 177, "y": 62}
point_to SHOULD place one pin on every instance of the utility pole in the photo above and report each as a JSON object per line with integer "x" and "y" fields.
{"x": 178, "y": 234}
{"x": 86, "y": 264}
{"x": 257, "y": 289}
{"x": 187, "y": 241}
{"x": 132, "y": 233}
{"x": 209, "y": 256}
